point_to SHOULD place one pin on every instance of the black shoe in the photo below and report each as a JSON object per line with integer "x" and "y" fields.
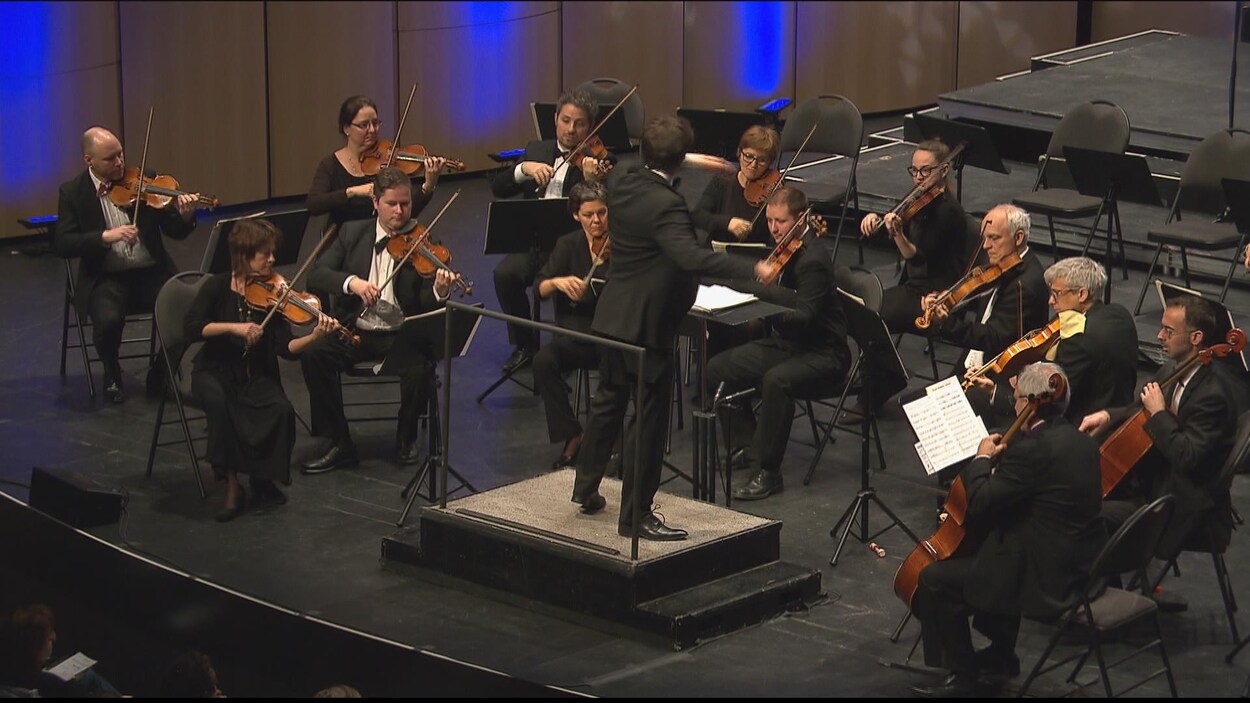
{"x": 519, "y": 359}
{"x": 996, "y": 667}
{"x": 592, "y": 503}
{"x": 266, "y": 494}
{"x": 226, "y": 514}
{"x": 762, "y": 485}
{"x": 653, "y": 529}
{"x": 564, "y": 462}
{"x": 615, "y": 464}
{"x": 953, "y": 686}
{"x": 113, "y": 393}
{"x": 409, "y": 453}
{"x": 340, "y": 455}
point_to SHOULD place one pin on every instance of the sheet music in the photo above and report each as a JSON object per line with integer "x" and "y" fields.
{"x": 714, "y": 298}
{"x": 948, "y": 430}
{"x": 72, "y": 667}
{"x": 744, "y": 247}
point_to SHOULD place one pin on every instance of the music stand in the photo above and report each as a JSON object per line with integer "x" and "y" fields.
{"x": 425, "y": 336}
{"x": 614, "y": 133}
{"x": 718, "y": 132}
{"x": 882, "y": 375}
{"x": 979, "y": 149}
{"x": 1223, "y": 322}
{"x": 1111, "y": 176}
{"x": 291, "y": 224}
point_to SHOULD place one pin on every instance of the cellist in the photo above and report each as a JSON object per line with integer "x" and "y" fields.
{"x": 1036, "y": 502}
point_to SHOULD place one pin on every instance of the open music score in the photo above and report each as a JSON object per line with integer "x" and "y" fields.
{"x": 715, "y": 298}
{"x": 948, "y": 430}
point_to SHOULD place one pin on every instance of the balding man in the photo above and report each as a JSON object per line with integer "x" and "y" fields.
{"x": 122, "y": 265}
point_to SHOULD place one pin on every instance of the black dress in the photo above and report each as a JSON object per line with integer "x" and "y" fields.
{"x": 943, "y": 246}
{"x": 723, "y": 200}
{"x": 328, "y": 193}
{"x": 251, "y": 424}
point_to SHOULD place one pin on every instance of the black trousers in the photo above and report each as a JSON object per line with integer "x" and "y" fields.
{"x": 618, "y": 375}
{"x": 782, "y": 374}
{"x": 939, "y": 604}
{"x": 560, "y": 355}
{"x": 512, "y": 276}
{"x": 324, "y": 359}
{"x": 114, "y": 296}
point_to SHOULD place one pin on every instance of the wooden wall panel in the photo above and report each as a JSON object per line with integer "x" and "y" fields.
{"x": 50, "y": 96}
{"x": 316, "y": 61}
{"x": 477, "y": 75}
{"x": 202, "y": 66}
{"x": 883, "y": 56}
{"x": 737, "y": 55}
{"x": 996, "y": 38}
{"x": 443, "y": 14}
{"x": 1201, "y": 19}
{"x": 598, "y": 41}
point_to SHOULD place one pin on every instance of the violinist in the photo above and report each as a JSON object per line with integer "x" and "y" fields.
{"x": 1192, "y": 426}
{"x": 935, "y": 242}
{"x": 805, "y": 357}
{"x": 545, "y": 171}
{"x": 340, "y": 186}
{"x": 567, "y": 277}
{"x": 723, "y": 210}
{"x": 122, "y": 266}
{"x": 1012, "y": 304}
{"x": 355, "y": 266}
{"x": 251, "y": 424}
{"x": 1036, "y": 501}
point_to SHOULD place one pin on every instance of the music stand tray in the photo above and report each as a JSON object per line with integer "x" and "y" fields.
{"x": 979, "y": 150}
{"x": 718, "y": 131}
{"x": 1095, "y": 173}
{"x": 291, "y": 224}
{"x": 514, "y": 226}
{"x": 614, "y": 133}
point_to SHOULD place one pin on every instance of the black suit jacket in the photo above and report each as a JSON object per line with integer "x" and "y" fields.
{"x": 351, "y": 253}
{"x": 1039, "y": 511}
{"x": 545, "y": 151}
{"x": 817, "y": 321}
{"x": 655, "y": 259}
{"x": 1020, "y": 290}
{"x": 1101, "y": 362}
{"x": 80, "y": 229}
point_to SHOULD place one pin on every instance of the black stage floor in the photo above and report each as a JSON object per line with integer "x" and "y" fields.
{"x": 319, "y": 555}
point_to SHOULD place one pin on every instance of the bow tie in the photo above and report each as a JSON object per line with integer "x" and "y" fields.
{"x": 103, "y": 190}
{"x": 380, "y": 245}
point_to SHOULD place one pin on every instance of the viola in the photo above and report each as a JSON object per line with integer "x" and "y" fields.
{"x": 1125, "y": 447}
{"x": 951, "y": 534}
{"x": 158, "y": 191}
{"x": 977, "y": 280}
{"x": 926, "y": 192}
{"x": 410, "y": 159}
{"x": 758, "y": 191}
{"x": 1030, "y": 348}
{"x": 426, "y": 257}
{"x": 298, "y": 308}
{"x": 790, "y": 243}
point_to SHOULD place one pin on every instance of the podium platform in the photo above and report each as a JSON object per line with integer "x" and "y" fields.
{"x": 528, "y": 539}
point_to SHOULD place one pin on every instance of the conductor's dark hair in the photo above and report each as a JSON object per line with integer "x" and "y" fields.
{"x": 665, "y": 142}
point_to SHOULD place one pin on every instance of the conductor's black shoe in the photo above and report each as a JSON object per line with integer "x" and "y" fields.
{"x": 519, "y": 359}
{"x": 340, "y": 455}
{"x": 409, "y": 453}
{"x": 653, "y": 529}
{"x": 953, "y": 686}
{"x": 592, "y": 503}
{"x": 762, "y": 485}
{"x": 113, "y": 392}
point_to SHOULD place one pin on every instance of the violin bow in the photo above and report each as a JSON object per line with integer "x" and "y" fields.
{"x": 782, "y": 178}
{"x": 399, "y": 265}
{"x": 561, "y": 161}
{"x": 390, "y": 159}
{"x": 326, "y": 238}
{"x": 143, "y": 163}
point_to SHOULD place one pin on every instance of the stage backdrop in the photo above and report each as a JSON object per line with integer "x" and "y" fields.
{"x": 246, "y": 94}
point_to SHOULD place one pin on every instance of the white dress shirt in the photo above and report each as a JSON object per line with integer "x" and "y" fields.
{"x": 121, "y": 255}
{"x": 381, "y": 269}
{"x": 555, "y": 187}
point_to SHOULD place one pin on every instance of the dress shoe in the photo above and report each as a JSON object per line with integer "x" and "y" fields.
{"x": 953, "y": 686}
{"x": 615, "y": 463}
{"x": 226, "y": 514}
{"x": 113, "y": 392}
{"x": 409, "y": 453}
{"x": 592, "y": 503}
{"x": 653, "y": 529}
{"x": 762, "y": 485}
{"x": 266, "y": 494}
{"x": 564, "y": 462}
{"x": 339, "y": 455}
{"x": 520, "y": 357}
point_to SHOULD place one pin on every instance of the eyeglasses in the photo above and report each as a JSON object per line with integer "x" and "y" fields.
{"x": 751, "y": 159}
{"x": 923, "y": 171}
{"x": 1168, "y": 332}
{"x": 1056, "y": 292}
{"x": 376, "y": 124}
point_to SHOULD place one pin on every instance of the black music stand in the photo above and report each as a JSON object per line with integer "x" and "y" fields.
{"x": 519, "y": 226}
{"x": 425, "y": 335}
{"x": 291, "y": 224}
{"x": 614, "y": 133}
{"x": 979, "y": 149}
{"x": 1112, "y": 177}
{"x": 882, "y": 374}
{"x": 718, "y": 132}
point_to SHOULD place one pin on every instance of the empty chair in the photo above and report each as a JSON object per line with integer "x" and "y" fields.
{"x": 839, "y": 132}
{"x": 608, "y": 92}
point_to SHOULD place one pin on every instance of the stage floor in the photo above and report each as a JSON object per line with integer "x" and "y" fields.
{"x": 320, "y": 553}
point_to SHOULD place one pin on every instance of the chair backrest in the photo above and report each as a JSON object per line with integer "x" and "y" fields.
{"x": 1097, "y": 125}
{"x": 172, "y": 305}
{"x": 1133, "y": 545}
{"x": 841, "y": 128}
{"x": 861, "y": 283}
{"x": 1225, "y": 154}
{"x": 1240, "y": 454}
{"x": 608, "y": 92}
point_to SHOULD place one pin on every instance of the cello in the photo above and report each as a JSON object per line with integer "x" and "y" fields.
{"x": 951, "y": 534}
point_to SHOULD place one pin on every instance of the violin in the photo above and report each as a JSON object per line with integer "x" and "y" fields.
{"x": 594, "y": 148}
{"x": 952, "y": 533}
{"x": 759, "y": 198}
{"x": 597, "y": 259}
{"x": 410, "y": 159}
{"x": 430, "y": 257}
{"x": 298, "y": 308}
{"x": 1125, "y": 447}
{"x": 158, "y": 191}
{"x": 977, "y": 280}
{"x": 1030, "y": 348}
{"x": 790, "y": 243}
{"x": 758, "y": 191}
{"x": 929, "y": 189}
